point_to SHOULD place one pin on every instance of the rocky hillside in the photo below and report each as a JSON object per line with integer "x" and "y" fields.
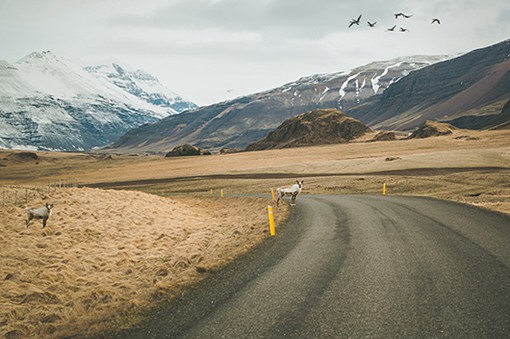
{"x": 474, "y": 84}
{"x": 491, "y": 121}
{"x": 320, "y": 126}
{"x": 240, "y": 122}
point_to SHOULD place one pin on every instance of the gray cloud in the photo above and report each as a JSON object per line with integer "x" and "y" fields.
{"x": 304, "y": 18}
{"x": 200, "y": 48}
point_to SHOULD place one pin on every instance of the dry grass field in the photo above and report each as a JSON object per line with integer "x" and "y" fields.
{"x": 105, "y": 256}
{"x": 144, "y": 227}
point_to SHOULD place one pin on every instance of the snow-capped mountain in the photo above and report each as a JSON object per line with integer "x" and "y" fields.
{"x": 469, "y": 91}
{"x": 239, "y": 122}
{"x": 142, "y": 85}
{"x": 50, "y": 103}
{"x": 349, "y": 88}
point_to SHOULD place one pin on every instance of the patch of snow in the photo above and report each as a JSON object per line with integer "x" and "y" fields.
{"x": 324, "y": 93}
{"x": 341, "y": 91}
{"x": 375, "y": 80}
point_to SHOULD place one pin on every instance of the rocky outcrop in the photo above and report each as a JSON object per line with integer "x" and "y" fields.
{"x": 384, "y": 136}
{"x": 23, "y": 156}
{"x": 432, "y": 129}
{"x": 228, "y": 150}
{"x": 321, "y": 126}
{"x": 186, "y": 150}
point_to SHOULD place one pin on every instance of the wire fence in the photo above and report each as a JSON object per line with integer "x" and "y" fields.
{"x": 22, "y": 195}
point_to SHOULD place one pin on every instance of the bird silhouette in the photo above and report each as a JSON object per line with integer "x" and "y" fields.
{"x": 371, "y": 24}
{"x": 355, "y": 21}
{"x": 402, "y": 29}
{"x": 391, "y": 29}
{"x": 436, "y": 20}
{"x": 402, "y": 14}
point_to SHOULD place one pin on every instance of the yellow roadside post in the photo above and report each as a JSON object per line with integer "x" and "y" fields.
{"x": 270, "y": 215}
{"x": 272, "y": 194}
{"x": 221, "y": 194}
{"x": 384, "y": 189}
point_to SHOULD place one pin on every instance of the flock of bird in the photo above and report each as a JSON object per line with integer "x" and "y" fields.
{"x": 391, "y": 29}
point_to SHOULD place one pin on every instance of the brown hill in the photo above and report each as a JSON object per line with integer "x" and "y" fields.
{"x": 185, "y": 150}
{"x": 320, "y": 126}
{"x": 432, "y": 128}
{"x": 385, "y": 136}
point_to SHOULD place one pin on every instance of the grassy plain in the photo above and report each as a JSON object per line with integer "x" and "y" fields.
{"x": 139, "y": 229}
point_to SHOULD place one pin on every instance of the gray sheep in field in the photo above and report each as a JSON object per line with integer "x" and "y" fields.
{"x": 39, "y": 213}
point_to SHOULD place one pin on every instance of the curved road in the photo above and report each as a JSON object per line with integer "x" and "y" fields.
{"x": 358, "y": 266}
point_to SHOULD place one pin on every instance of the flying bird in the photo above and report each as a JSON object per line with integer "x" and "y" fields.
{"x": 371, "y": 24}
{"x": 391, "y": 29}
{"x": 436, "y": 20}
{"x": 402, "y": 29}
{"x": 355, "y": 21}
{"x": 402, "y": 14}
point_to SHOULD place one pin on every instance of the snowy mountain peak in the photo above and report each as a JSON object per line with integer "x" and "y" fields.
{"x": 141, "y": 84}
{"x": 49, "y": 102}
{"x": 38, "y": 56}
{"x": 119, "y": 69}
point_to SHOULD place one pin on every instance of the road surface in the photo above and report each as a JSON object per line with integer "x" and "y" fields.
{"x": 358, "y": 266}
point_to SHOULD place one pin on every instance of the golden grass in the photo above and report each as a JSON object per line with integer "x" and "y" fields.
{"x": 106, "y": 256}
{"x": 106, "y": 253}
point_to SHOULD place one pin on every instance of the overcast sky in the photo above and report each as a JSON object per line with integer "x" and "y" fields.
{"x": 212, "y": 50}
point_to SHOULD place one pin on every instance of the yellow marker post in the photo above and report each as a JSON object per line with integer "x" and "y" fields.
{"x": 221, "y": 194}
{"x": 270, "y": 215}
{"x": 272, "y": 194}
{"x": 211, "y": 191}
{"x": 384, "y": 189}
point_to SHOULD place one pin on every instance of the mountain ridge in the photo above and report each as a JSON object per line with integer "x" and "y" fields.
{"x": 477, "y": 82}
{"x": 241, "y": 121}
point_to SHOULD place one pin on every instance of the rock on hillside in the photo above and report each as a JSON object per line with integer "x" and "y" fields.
{"x": 185, "y": 150}
{"x": 320, "y": 126}
{"x": 432, "y": 129}
{"x": 385, "y": 136}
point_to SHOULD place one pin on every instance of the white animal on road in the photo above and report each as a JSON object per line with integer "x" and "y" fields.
{"x": 293, "y": 191}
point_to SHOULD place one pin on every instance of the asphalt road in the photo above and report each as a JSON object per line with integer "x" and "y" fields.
{"x": 358, "y": 266}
